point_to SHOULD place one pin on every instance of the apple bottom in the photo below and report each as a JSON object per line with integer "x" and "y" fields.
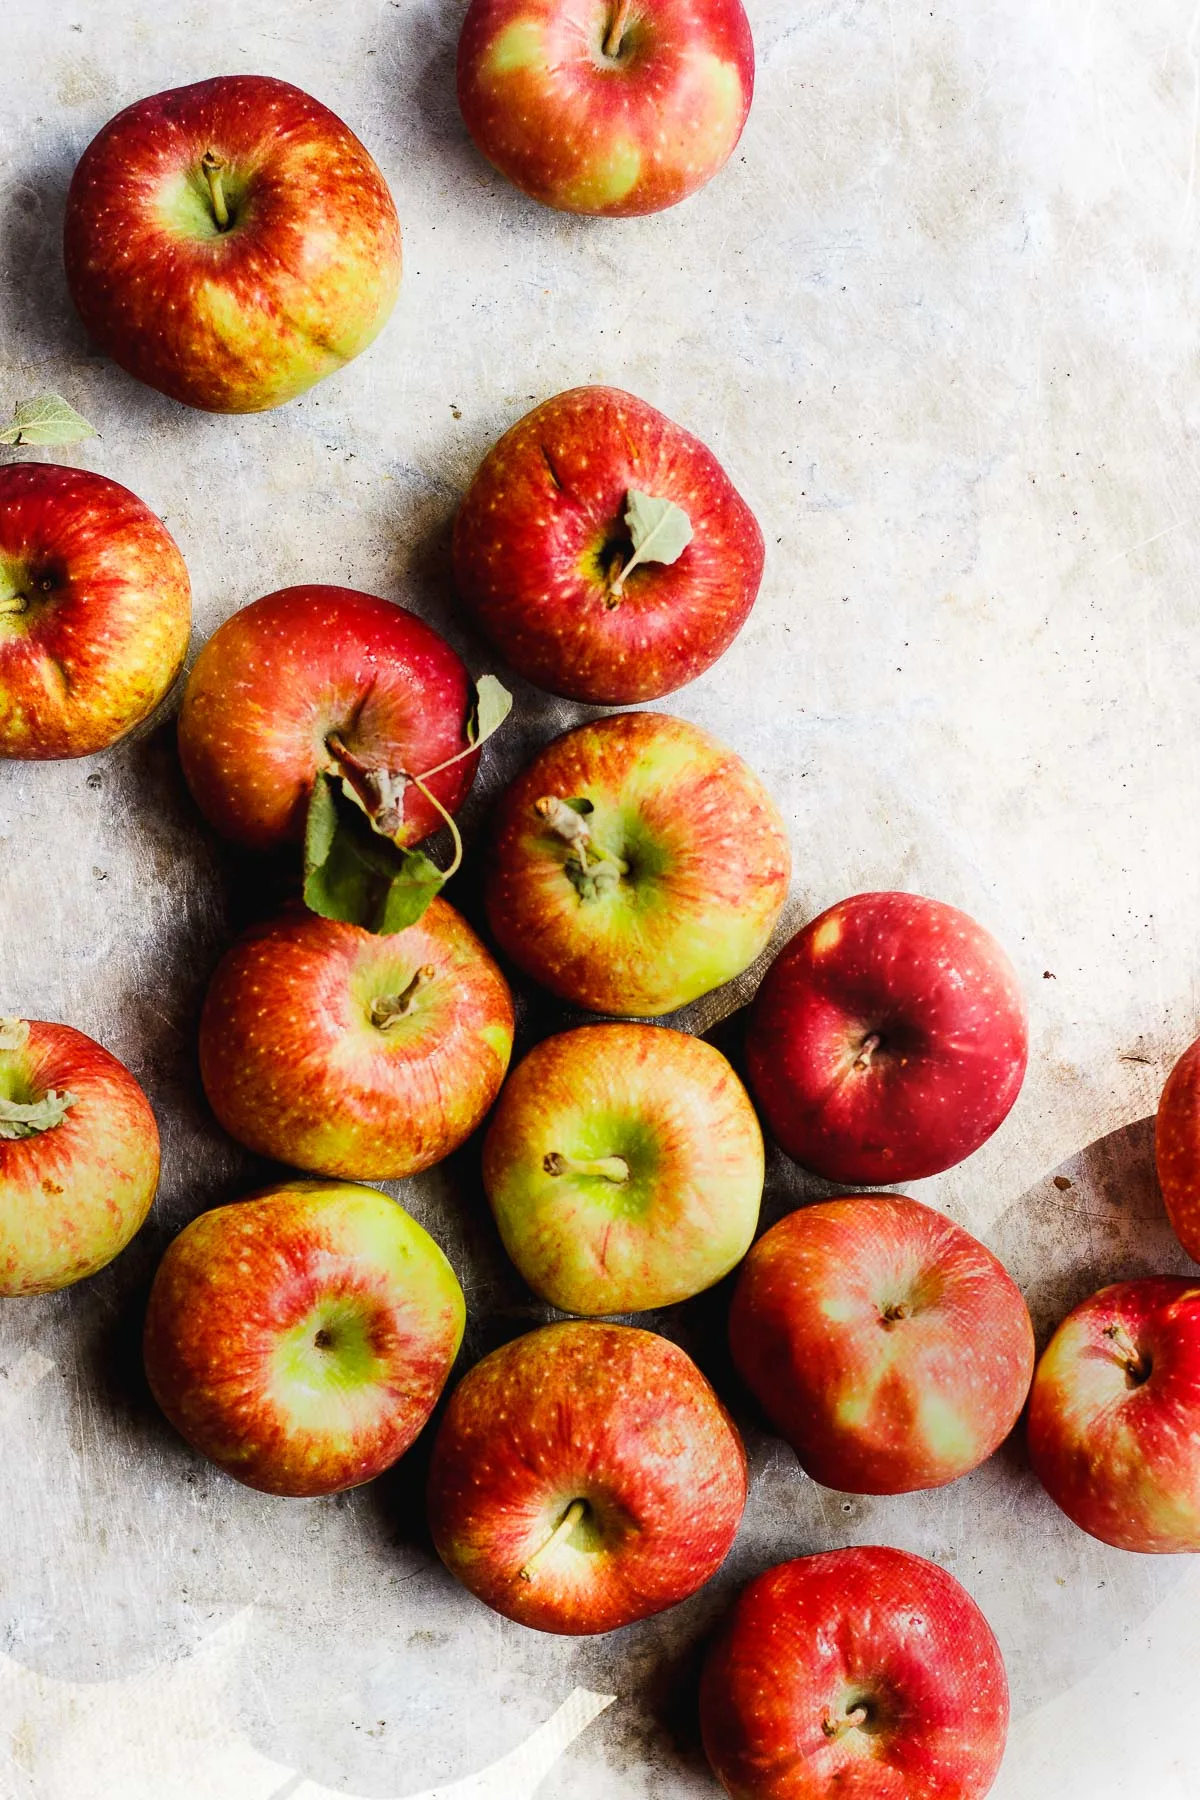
{"x": 867, "y": 1672}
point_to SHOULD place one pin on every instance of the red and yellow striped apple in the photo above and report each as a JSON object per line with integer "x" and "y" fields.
{"x": 1177, "y": 1149}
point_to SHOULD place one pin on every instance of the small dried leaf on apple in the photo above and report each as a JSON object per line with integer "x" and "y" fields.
{"x": 493, "y": 703}
{"x": 47, "y": 420}
{"x": 14, "y": 1033}
{"x": 25, "y": 1120}
{"x": 353, "y": 874}
{"x": 661, "y": 531}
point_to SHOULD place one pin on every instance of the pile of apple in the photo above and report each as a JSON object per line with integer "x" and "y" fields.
{"x": 586, "y": 1474}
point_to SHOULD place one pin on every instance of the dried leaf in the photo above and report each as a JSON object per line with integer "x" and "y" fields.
{"x": 493, "y": 703}
{"x": 47, "y": 420}
{"x": 661, "y": 531}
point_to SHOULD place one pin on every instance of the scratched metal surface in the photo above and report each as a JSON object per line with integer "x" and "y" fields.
{"x": 937, "y": 318}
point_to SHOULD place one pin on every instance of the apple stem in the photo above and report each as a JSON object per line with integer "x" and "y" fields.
{"x": 213, "y": 166}
{"x": 616, "y": 29}
{"x": 612, "y": 1168}
{"x": 563, "y": 1529}
{"x": 867, "y": 1050}
{"x": 390, "y": 1007}
{"x": 14, "y": 603}
{"x": 833, "y": 1728}
{"x": 1135, "y": 1366}
{"x": 572, "y": 827}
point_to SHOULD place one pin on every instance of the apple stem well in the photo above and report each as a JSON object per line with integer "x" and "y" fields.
{"x": 835, "y": 1728}
{"x": 1136, "y": 1367}
{"x": 390, "y": 1008}
{"x": 616, "y": 28}
{"x": 563, "y": 1529}
{"x": 612, "y": 1168}
{"x": 214, "y": 170}
{"x": 866, "y": 1050}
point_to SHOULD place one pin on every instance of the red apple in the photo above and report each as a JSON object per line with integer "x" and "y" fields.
{"x": 231, "y": 242}
{"x": 334, "y": 1050}
{"x": 886, "y": 1344}
{"x": 78, "y": 1156}
{"x": 543, "y": 548}
{"x": 300, "y": 1338}
{"x": 323, "y": 678}
{"x": 864, "y": 1674}
{"x": 888, "y": 1040}
{"x": 637, "y": 863}
{"x": 606, "y": 106}
{"x": 585, "y": 1476}
{"x": 95, "y": 611}
{"x": 1177, "y": 1149}
{"x": 624, "y": 1165}
{"x": 1114, "y": 1417}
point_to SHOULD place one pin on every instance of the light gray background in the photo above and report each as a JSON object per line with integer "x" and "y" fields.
{"x": 938, "y": 318}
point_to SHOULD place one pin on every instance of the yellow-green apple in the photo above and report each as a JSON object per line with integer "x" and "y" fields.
{"x": 888, "y": 1346}
{"x": 862, "y": 1674}
{"x": 585, "y": 1476}
{"x": 636, "y": 864}
{"x": 1114, "y": 1416}
{"x": 300, "y": 1338}
{"x": 888, "y": 1040}
{"x": 231, "y": 242}
{"x": 327, "y": 1047}
{"x": 624, "y": 1165}
{"x": 606, "y": 106}
{"x": 1177, "y": 1149}
{"x": 604, "y": 551}
{"x": 320, "y": 679}
{"x": 78, "y": 1156}
{"x": 95, "y": 611}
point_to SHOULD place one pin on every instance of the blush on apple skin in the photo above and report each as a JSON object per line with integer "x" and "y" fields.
{"x": 289, "y": 676}
{"x": 624, "y": 1167}
{"x": 335, "y": 1050}
{"x": 300, "y": 1338}
{"x": 245, "y": 317}
{"x": 866, "y": 1672}
{"x": 585, "y": 1476}
{"x": 705, "y": 855}
{"x": 889, "y": 1347}
{"x": 95, "y": 611}
{"x": 543, "y": 525}
{"x": 888, "y": 1040}
{"x": 602, "y": 106}
{"x": 73, "y": 1195}
{"x": 1177, "y": 1149}
{"x": 1114, "y": 1416}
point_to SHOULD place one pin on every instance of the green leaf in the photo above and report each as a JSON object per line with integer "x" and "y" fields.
{"x": 661, "y": 531}
{"x": 47, "y": 420}
{"x": 580, "y": 806}
{"x": 493, "y": 703}
{"x": 353, "y": 874}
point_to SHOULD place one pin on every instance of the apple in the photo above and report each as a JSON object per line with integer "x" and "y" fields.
{"x": 230, "y": 243}
{"x": 95, "y": 611}
{"x": 866, "y": 1672}
{"x": 573, "y": 555}
{"x": 78, "y": 1156}
{"x": 606, "y": 106}
{"x": 311, "y": 679}
{"x": 1114, "y": 1416}
{"x": 886, "y": 1344}
{"x": 636, "y": 864}
{"x": 300, "y": 1338}
{"x": 888, "y": 1040}
{"x": 624, "y": 1166}
{"x": 330, "y": 1048}
{"x": 584, "y": 1476}
{"x": 1177, "y": 1149}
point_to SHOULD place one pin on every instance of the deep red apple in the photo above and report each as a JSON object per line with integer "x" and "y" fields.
{"x": 637, "y": 863}
{"x": 95, "y": 611}
{"x": 886, "y": 1344}
{"x": 300, "y": 1338}
{"x": 78, "y": 1156}
{"x": 864, "y": 1674}
{"x": 231, "y": 242}
{"x": 888, "y": 1040}
{"x": 543, "y": 548}
{"x": 1177, "y": 1149}
{"x": 585, "y": 1476}
{"x": 624, "y": 1166}
{"x": 606, "y": 106}
{"x": 1114, "y": 1417}
{"x": 332, "y": 1049}
{"x": 324, "y": 678}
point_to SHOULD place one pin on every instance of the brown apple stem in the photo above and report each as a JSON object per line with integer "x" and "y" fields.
{"x": 560, "y": 818}
{"x": 612, "y": 1168}
{"x": 390, "y": 1007}
{"x": 563, "y": 1529}
{"x": 14, "y": 603}
{"x": 867, "y": 1050}
{"x": 1135, "y": 1366}
{"x": 214, "y": 169}
{"x": 833, "y": 1728}
{"x": 616, "y": 28}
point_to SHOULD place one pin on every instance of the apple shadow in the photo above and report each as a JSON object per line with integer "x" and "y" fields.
{"x": 38, "y": 321}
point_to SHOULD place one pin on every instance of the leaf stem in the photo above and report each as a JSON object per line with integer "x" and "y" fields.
{"x": 455, "y": 833}
{"x": 563, "y": 1529}
{"x": 214, "y": 168}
